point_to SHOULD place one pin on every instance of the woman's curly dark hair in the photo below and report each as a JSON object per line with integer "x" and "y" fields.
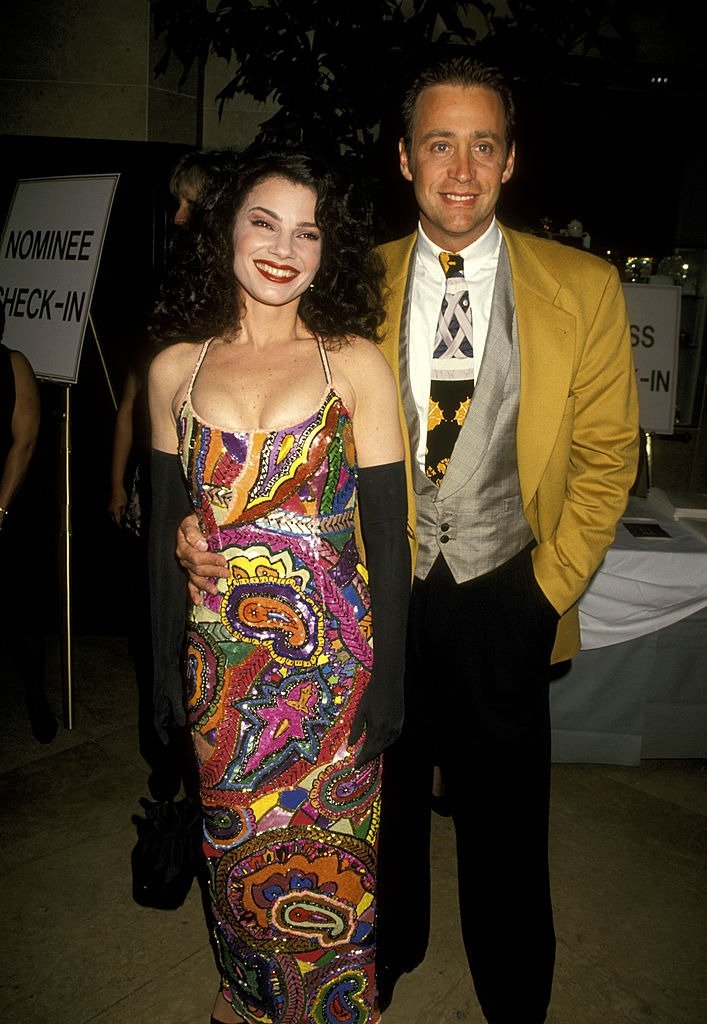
{"x": 201, "y": 298}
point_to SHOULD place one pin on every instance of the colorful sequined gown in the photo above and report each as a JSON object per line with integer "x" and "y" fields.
{"x": 275, "y": 667}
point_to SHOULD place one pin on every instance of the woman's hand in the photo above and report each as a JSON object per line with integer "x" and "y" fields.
{"x": 117, "y": 504}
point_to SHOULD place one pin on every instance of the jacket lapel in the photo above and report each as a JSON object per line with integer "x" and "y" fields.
{"x": 397, "y": 256}
{"x": 546, "y": 345}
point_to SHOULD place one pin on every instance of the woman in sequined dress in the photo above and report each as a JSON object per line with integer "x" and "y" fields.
{"x": 282, "y": 418}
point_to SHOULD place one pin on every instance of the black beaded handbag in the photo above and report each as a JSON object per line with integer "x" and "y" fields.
{"x": 165, "y": 858}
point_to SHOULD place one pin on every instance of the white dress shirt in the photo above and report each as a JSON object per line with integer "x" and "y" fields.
{"x": 428, "y": 287}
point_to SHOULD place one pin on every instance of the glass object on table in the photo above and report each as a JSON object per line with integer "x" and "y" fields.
{"x": 685, "y": 269}
{"x": 638, "y": 269}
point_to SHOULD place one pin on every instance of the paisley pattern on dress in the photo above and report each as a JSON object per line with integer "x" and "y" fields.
{"x": 275, "y": 667}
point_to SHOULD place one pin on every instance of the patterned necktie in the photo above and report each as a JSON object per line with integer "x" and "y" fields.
{"x": 452, "y": 376}
{"x": 453, "y": 336}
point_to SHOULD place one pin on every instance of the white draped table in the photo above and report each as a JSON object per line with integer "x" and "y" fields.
{"x": 638, "y": 687}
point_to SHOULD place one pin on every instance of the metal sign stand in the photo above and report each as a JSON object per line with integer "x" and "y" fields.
{"x": 65, "y": 540}
{"x": 649, "y": 458}
{"x": 65, "y": 563}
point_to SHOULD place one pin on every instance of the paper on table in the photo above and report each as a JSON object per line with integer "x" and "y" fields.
{"x": 647, "y": 529}
{"x": 644, "y": 585}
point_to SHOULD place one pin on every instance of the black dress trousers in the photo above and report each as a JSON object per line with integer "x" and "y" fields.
{"x": 477, "y": 705}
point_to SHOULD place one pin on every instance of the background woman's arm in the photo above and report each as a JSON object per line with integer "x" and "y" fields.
{"x": 25, "y": 428}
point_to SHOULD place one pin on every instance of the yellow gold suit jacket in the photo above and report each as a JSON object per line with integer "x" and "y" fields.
{"x": 577, "y": 434}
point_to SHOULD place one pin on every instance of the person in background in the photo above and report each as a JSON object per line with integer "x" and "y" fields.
{"x": 282, "y": 418}
{"x": 130, "y": 448}
{"x": 518, "y": 395}
{"x": 193, "y": 174}
{"x": 129, "y": 492}
{"x": 20, "y": 616}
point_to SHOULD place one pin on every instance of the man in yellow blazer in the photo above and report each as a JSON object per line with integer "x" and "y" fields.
{"x": 532, "y": 380}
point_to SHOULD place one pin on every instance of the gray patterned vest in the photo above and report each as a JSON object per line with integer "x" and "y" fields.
{"x": 475, "y": 517}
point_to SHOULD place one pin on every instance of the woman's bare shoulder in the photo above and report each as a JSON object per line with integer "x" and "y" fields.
{"x": 176, "y": 360}
{"x": 362, "y": 355}
{"x": 362, "y": 375}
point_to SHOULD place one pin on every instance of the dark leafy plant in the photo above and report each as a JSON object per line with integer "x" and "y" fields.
{"x": 336, "y": 69}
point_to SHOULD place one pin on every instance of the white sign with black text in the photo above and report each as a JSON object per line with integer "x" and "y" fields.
{"x": 654, "y": 314}
{"x": 49, "y": 257}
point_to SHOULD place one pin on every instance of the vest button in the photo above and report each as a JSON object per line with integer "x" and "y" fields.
{"x": 444, "y": 540}
{"x": 444, "y": 527}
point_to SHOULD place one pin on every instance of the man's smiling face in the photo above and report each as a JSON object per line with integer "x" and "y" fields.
{"x": 457, "y": 161}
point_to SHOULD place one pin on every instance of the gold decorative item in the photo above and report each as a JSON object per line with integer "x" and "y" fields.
{"x": 638, "y": 269}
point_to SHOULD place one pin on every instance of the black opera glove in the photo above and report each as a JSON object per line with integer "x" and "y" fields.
{"x": 168, "y": 591}
{"x": 382, "y": 498}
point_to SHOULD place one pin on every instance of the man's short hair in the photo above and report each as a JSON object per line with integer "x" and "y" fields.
{"x": 467, "y": 73}
{"x": 196, "y": 171}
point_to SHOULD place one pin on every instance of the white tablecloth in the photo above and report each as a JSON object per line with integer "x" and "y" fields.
{"x": 638, "y": 687}
{"x": 644, "y": 583}
{"x": 643, "y": 698}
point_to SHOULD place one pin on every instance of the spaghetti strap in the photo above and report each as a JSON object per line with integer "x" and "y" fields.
{"x": 204, "y": 350}
{"x": 325, "y": 360}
